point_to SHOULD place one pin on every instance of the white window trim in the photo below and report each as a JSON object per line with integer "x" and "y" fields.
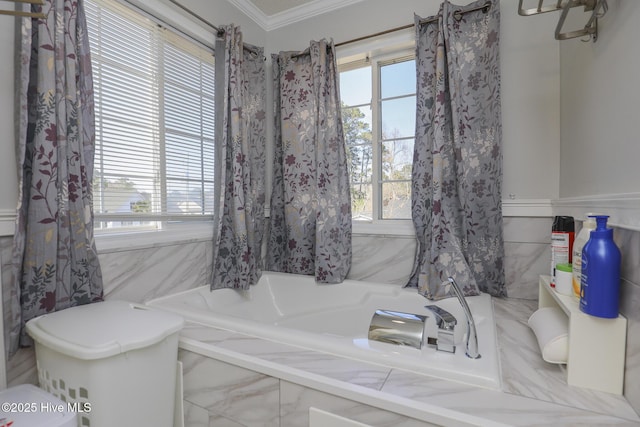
{"x": 379, "y": 50}
{"x": 172, "y": 234}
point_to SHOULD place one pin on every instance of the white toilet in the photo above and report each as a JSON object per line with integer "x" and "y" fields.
{"x": 29, "y": 406}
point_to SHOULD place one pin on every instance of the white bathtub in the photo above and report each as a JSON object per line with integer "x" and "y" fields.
{"x": 335, "y": 319}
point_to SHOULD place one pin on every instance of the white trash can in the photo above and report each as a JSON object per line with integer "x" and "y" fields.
{"x": 115, "y": 361}
{"x": 26, "y": 405}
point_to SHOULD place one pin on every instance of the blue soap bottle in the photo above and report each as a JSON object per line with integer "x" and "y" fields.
{"x": 600, "y": 280}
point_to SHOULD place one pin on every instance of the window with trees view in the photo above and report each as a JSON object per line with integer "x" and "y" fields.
{"x": 154, "y": 103}
{"x": 378, "y": 114}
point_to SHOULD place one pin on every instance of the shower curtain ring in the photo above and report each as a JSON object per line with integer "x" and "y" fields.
{"x": 457, "y": 15}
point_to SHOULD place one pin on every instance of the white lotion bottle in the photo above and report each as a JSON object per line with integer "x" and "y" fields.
{"x": 588, "y": 225}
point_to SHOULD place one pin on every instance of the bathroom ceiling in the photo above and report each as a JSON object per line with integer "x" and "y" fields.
{"x": 272, "y": 14}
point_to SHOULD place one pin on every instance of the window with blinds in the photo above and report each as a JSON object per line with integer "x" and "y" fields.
{"x": 154, "y": 104}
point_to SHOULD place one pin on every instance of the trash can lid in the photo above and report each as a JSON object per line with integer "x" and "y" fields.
{"x": 103, "y": 329}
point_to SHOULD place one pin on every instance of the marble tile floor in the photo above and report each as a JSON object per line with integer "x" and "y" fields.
{"x": 524, "y": 373}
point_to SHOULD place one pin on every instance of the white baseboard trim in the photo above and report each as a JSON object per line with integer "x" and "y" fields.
{"x": 623, "y": 209}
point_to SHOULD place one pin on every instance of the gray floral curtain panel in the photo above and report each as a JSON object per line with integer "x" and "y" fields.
{"x": 240, "y": 144}
{"x": 310, "y": 229}
{"x": 55, "y": 260}
{"x": 457, "y": 167}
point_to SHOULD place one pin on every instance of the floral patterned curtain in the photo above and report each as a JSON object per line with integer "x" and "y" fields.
{"x": 310, "y": 202}
{"x": 55, "y": 261}
{"x": 457, "y": 166}
{"x": 240, "y": 137}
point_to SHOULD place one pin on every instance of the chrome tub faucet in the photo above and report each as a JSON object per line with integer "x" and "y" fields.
{"x": 446, "y": 325}
{"x": 471, "y": 345}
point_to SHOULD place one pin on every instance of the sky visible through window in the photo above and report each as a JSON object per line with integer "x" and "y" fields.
{"x": 355, "y": 89}
{"x": 395, "y": 129}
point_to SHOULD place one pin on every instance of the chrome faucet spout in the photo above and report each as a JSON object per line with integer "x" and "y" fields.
{"x": 471, "y": 346}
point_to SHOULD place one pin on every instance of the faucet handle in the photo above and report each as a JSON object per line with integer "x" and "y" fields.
{"x": 446, "y": 323}
{"x": 444, "y": 319}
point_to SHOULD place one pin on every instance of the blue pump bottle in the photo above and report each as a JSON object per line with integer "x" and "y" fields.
{"x": 600, "y": 280}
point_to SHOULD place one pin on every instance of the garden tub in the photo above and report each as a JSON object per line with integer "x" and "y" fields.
{"x": 295, "y": 310}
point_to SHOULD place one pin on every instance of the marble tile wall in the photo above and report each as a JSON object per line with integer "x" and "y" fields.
{"x": 527, "y": 247}
{"x": 139, "y": 275}
{"x": 21, "y": 368}
{"x": 142, "y": 274}
{"x": 135, "y": 275}
{"x": 389, "y": 259}
{"x": 629, "y": 243}
{"x": 382, "y": 258}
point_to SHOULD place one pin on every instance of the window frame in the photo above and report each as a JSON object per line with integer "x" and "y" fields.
{"x": 171, "y": 228}
{"x": 385, "y": 54}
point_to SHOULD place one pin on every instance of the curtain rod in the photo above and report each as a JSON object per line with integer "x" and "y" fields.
{"x": 219, "y": 31}
{"x": 23, "y": 13}
{"x": 457, "y": 15}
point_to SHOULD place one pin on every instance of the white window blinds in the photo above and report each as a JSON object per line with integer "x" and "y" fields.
{"x": 154, "y": 103}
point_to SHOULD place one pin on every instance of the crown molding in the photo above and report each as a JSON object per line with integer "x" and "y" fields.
{"x": 296, "y": 14}
{"x": 255, "y": 14}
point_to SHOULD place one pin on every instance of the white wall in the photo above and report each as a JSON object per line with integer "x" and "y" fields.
{"x": 8, "y": 179}
{"x": 530, "y": 80}
{"x": 599, "y": 102}
{"x": 530, "y": 84}
{"x": 530, "y": 104}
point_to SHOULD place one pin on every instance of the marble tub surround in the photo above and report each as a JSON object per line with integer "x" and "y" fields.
{"x": 345, "y": 386}
{"x": 389, "y": 258}
{"x": 139, "y": 275}
{"x": 527, "y": 247}
{"x": 135, "y": 274}
{"x": 383, "y": 259}
{"x": 299, "y": 373}
{"x": 146, "y": 272}
{"x": 296, "y": 401}
{"x": 239, "y": 395}
{"x": 524, "y": 263}
{"x": 527, "y": 229}
{"x": 139, "y": 271}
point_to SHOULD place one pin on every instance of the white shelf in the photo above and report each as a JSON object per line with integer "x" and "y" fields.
{"x": 596, "y": 345}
